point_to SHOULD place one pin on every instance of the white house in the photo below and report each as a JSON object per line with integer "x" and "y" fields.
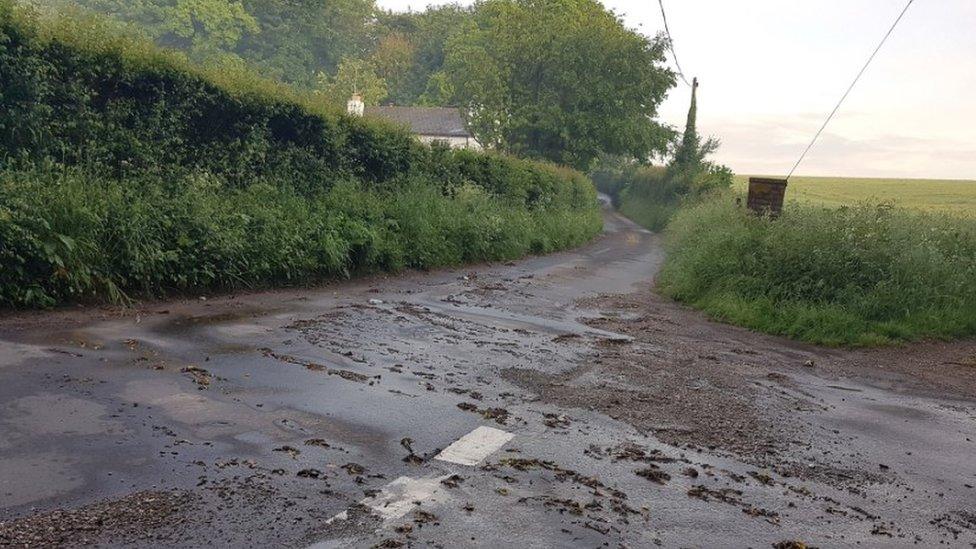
{"x": 429, "y": 124}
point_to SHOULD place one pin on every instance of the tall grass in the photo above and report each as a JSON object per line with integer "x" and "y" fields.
{"x": 73, "y": 236}
{"x": 858, "y": 275}
{"x": 642, "y": 193}
{"x": 650, "y": 195}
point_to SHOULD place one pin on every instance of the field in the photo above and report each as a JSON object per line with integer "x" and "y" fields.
{"x": 954, "y": 196}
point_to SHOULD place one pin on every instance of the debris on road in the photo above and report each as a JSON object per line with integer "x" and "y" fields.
{"x": 653, "y": 474}
{"x": 199, "y": 375}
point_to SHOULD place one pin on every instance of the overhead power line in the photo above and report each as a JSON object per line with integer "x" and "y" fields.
{"x": 664, "y": 16}
{"x": 849, "y": 88}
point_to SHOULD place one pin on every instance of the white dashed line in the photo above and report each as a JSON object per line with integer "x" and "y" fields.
{"x": 475, "y": 446}
{"x": 404, "y": 494}
{"x": 401, "y": 496}
{"x": 341, "y": 516}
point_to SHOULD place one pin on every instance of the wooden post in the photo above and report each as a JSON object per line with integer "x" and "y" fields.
{"x": 766, "y": 196}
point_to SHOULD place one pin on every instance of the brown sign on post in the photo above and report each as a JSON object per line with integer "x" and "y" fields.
{"x": 766, "y": 195}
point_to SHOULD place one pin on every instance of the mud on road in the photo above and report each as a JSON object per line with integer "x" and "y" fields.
{"x": 553, "y": 402}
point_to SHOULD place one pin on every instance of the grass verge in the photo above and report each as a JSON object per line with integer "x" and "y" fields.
{"x": 72, "y": 236}
{"x": 853, "y": 276}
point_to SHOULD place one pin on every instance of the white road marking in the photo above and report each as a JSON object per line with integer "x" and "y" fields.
{"x": 341, "y": 516}
{"x": 401, "y": 496}
{"x": 475, "y": 446}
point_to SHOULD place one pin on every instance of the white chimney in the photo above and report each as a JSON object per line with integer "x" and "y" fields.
{"x": 355, "y": 106}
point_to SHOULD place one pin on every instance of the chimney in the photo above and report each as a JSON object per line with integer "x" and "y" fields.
{"x": 355, "y": 106}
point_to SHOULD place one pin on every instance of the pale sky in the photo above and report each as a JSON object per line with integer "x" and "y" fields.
{"x": 771, "y": 70}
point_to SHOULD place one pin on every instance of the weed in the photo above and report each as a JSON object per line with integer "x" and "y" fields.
{"x": 858, "y": 275}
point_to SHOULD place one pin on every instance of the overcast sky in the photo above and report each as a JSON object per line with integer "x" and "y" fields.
{"x": 771, "y": 70}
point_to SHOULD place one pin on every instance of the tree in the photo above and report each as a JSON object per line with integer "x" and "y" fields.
{"x": 354, "y": 76}
{"x": 206, "y": 29}
{"x": 563, "y": 80}
{"x": 689, "y": 171}
{"x": 392, "y": 60}
{"x": 428, "y": 32}
{"x": 301, "y": 38}
{"x": 290, "y": 40}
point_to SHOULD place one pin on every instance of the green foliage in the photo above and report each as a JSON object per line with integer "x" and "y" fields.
{"x": 860, "y": 275}
{"x": 73, "y": 235}
{"x": 124, "y": 170}
{"x": 562, "y": 80}
{"x": 426, "y": 34}
{"x": 393, "y": 61}
{"x": 81, "y": 94}
{"x": 205, "y": 29}
{"x": 86, "y": 95}
{"x": 650, "y": 195}
{"x": 301, "y": 38}
{"x": 354, "y": 76}
{"x": 290, "y": 40}
{"x": 689, "y": 171}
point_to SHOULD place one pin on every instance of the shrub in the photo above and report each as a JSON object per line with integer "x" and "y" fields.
{"x": 71, "y": 235}
{"x": 650, "y": 195}
{"x": 79, "y": 92}
{"x": 126, "y": 171}
{"x": 858, "y": 275}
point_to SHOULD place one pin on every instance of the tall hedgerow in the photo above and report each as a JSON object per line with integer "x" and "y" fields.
{"x": 124, "y": 170}
{"x": 79, "y": 92}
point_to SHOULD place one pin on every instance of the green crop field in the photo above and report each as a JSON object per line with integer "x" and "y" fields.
{"x": 955, "y": 196}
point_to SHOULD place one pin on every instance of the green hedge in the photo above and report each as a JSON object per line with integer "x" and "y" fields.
{"x": 648, "y": 196}
{"x": 126, "y": 171}
{"x": 859, "y": 275}
{"x": 78, "y": 92}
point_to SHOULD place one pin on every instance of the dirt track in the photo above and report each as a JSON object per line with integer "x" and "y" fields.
{"x": 313, "y": 417}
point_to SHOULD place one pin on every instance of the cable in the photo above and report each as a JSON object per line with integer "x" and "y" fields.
{"x": 851, "y": 87}
{"x": 664, "y": 16}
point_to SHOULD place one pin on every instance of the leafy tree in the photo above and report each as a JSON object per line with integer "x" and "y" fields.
{"x": 354, "y": 76}
{"x": 301, "y": 38}
{"x": 428, "y": 32}
{"x": 206, "y": 29}
{"x": 563, "y": 80}
{"x": 393, "y": 61}
{"x": 290, "y": 40}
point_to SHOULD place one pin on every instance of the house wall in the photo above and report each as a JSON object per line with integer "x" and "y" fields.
{"x": 453, "y": 142}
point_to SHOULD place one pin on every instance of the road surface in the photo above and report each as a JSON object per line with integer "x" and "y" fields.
{"x": 551, "y": 402}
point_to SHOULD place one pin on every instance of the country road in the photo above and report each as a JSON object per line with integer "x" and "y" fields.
{"x": 550, "y": 402}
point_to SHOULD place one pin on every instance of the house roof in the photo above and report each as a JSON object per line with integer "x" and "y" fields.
{"x": 435, "y": 121}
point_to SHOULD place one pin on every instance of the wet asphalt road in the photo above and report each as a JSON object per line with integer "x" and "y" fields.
{"x": 316, "y": 418}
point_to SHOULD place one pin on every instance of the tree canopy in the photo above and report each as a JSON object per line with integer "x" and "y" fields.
{"x": 562, "y": 80}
